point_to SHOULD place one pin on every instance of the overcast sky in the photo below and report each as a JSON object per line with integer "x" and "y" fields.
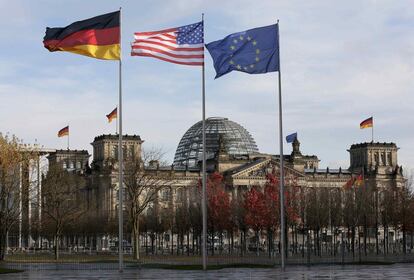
{"x": 341, "y": 61}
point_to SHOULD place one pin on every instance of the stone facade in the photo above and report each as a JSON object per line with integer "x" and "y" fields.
{"x": 377, "y": 162}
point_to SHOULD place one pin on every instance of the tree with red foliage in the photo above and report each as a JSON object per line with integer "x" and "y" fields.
{"x": 218, "y": 207}
{"x": 263, "y": 207}
{"x": 256, "y": 212}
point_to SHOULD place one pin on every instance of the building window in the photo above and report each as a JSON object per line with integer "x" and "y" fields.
{"x": 78, "y": 165}
{"x": 131, "y": 151}
{"x": 114, "y": 153}
{"x": 71, "y": 165}
{"x": 64, "y": 165}
{"x": 383, "y": 159}
{"x": 124, "y": 151}
{"x": 389, "y": 159}
{"x": 180, "y": 195}
{"x": 165, "y": 194}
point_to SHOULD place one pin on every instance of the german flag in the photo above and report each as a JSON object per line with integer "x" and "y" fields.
{"x": 97, "y": 37}
{"x": 112, "y": 115}
{"x": 366, "y": 123}
{"x": 359, "y": 181}
{"x": 63, "y": 132}
{"x": 349, "y": 183}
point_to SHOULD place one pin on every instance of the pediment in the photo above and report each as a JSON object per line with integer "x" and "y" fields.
{"x": 261, "y": 168}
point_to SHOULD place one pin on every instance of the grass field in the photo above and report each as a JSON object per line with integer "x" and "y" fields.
{"x": 7, "y": 270}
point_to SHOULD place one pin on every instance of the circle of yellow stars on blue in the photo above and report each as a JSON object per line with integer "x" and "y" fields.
{"x": 233, "y": 47}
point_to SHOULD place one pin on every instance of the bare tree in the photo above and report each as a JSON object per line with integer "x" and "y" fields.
{"x": 143, "y": 181}
{"x": 14, "y": 159}
{"x": 61, "y": 204}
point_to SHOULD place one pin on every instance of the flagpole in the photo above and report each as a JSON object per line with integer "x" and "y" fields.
{"x": 120, "y": 160}
{"x": 372, "y": 128}
{"x": 204, "y": 179}
{"x": 68, "y": 136}
{"x": 281, "y": 183}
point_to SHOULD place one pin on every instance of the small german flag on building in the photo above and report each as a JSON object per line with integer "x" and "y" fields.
{"x": 359, "y": 181}
{"x": 112, "y": 115}
{"x": 63, "y": 132}
{"x": 366, "y": 123}
{"x": 97, "y": 37}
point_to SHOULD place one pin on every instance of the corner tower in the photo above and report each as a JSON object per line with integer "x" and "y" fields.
{"x": 370, "y": 156}
{"x": 105, "y": 149}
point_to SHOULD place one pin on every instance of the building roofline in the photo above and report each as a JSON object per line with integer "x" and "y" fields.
{"x": 116, "y": 137}
{"x": 373, "y": 144}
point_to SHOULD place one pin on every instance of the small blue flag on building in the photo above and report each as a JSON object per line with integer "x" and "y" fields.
{"x": 254, "y": 51}
{"x": 291, "y": 137}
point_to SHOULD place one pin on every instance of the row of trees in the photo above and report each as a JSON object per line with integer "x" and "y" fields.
{"x": 15, "y": 161}
{"x": 248, "y": 217}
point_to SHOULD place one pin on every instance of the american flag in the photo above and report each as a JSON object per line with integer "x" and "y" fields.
{"x": 181, "y": 45}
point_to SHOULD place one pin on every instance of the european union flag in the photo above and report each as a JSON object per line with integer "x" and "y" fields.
{"x": 254, "y": 51}
{"x": 291, "y": 137}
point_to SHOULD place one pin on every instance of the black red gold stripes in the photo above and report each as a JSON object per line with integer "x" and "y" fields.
{"x": 112, "y": 115}
{"x": 97, "y": 37}
{"x": 366, "y": 123}
{"x": 64, "y": 131}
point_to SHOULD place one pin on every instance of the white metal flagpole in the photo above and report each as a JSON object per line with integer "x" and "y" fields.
{"x": 68, "y": 136}
{"x": 372, "y": 129}
{"x": 282, "y": 177}
{"x": 204, "y": 188}
{"x": 116, "y": 122}
{"x": 120, "y": 159}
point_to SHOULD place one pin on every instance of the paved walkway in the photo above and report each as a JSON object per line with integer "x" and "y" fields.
{"x": 396, "y": 271}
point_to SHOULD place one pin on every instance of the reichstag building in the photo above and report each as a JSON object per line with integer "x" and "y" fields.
{"x": 232, "y": 151}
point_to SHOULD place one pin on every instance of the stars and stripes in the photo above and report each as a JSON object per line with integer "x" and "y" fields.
{"x": 181, "y": 45}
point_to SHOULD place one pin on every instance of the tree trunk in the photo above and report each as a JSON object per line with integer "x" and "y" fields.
{"x": 353, "y": 242}
{"x": 135, "y": 236}
{"x": 56, "y": 238}
{"x": 212, "y": 244}
{"x": 192, "y": 237}
{"x": 241, "y": 243}
{"x": 365, "y": 239}
{"x": 269, "y": 248}
{"x": 232, "y": 242}
{"x": 3, "y": 244}
{"x": 359, "y": 245}
{"x": 404, "y": 239}
{"x": 146, "y": 243}
{"x": 376, "y": 238}
{"x": 172, "y": 242}
{"x": 152, "y": 243}
{"x": 303, "y": 244}
{"x": 178, "y": 243}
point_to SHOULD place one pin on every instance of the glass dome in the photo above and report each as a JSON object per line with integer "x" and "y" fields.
{"x": 236, "y": 139}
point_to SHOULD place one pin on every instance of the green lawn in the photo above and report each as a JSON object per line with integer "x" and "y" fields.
{"x": 7, "y": 270}
{"x": 200, "y": 267}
